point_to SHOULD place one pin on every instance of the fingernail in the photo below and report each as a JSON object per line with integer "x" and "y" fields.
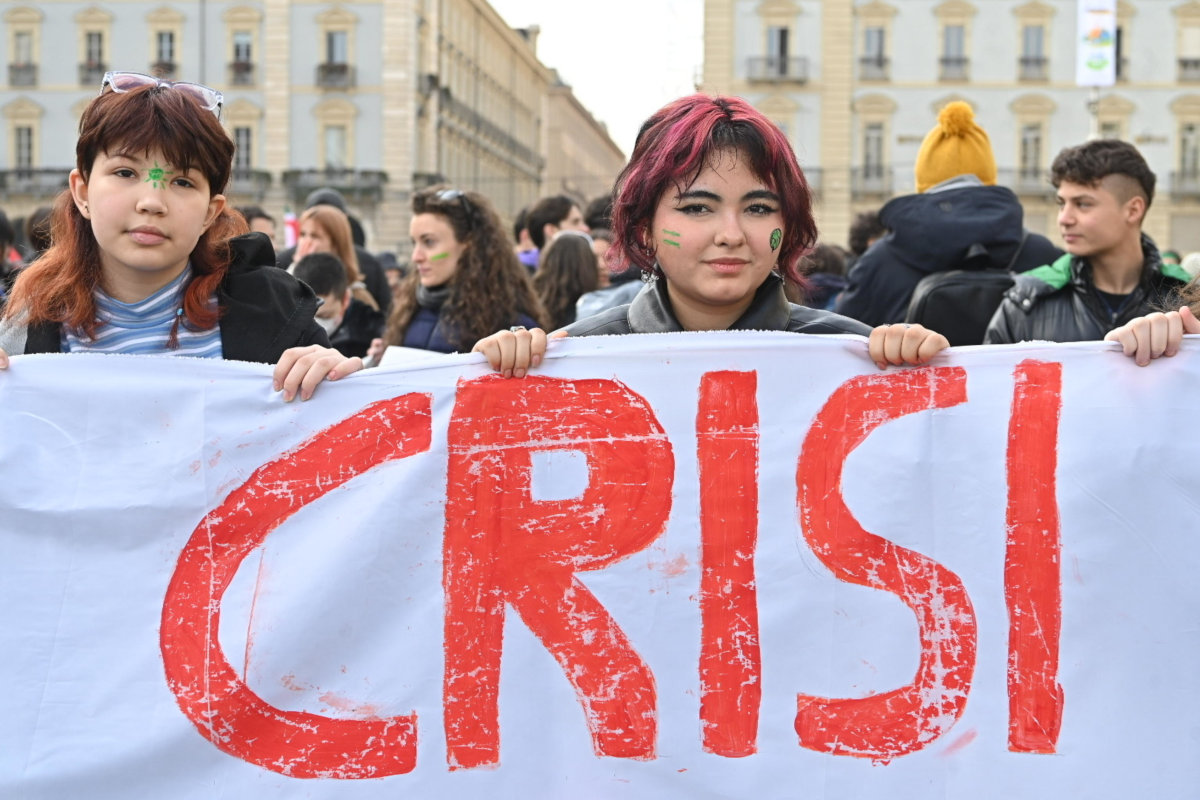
{"x": 519, "y": 373}
{"x": 881, "y": 364}
{"x": 508, "y": 373}
{"x": 536, "y": 361}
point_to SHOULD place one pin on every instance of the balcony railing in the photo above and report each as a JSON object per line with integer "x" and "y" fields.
{"x": 249, "y": 183}
{"x": 777, "y": 68}
{"x": 335, "y": 76}
{"x": 1189, "y": 69}
{"x": 22, "y": 74}
{"x": 241, "y": 73}
{"x": 1186, "y": 184}
{"x": 163, "y": 69}
{"x": 1026, "y": 181}
{"x": 358, "y": 185}
{"x": 1033, "y": 68}
{"x": 872, "y": 181}
{"x": 954, "y": 68}
{"x": 31, "y": 182}
{"x": 91, "y": 73}
{"x": 874, "y": 68}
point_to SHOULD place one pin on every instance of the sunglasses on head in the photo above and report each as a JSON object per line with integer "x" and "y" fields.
{"x": 451, "y": 195}
{"x": 121, "y": 82}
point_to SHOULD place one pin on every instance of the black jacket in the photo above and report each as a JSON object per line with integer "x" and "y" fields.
{"x": 264, "y": 310}
{"x": 1059, "y": 303}
{"x": 969, "y": 227}
{"x": 650, "y": 312}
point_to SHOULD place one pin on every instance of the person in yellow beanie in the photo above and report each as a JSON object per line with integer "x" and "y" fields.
{"x": 959, "y": 219}
{"x": 957, "y": 146}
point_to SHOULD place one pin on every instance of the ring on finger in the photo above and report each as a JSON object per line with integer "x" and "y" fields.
{"x": 516, "y": 328}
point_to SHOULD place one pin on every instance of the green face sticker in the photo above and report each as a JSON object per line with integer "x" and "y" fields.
{"x": 439, "y": 256}
{"x": 670, "y": 241}
{"x": 776, "y": 238}
{"x": 157, "y": 176}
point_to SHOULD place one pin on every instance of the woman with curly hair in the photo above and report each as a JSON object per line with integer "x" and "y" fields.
{"x": 568, "y": 270}
{"x": 464, "y": 280}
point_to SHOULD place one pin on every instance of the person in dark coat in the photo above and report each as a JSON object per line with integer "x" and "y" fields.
{"x": 1112, "y": 272}
{"x": 350, "y": 323}
{"x": 957, "y": 220}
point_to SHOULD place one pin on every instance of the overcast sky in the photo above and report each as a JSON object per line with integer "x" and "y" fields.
{"x": 623, "y": 58}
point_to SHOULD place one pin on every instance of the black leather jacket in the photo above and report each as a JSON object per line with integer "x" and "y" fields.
{"x": 650, "y": 312}
{"x": 1059, "y": 302}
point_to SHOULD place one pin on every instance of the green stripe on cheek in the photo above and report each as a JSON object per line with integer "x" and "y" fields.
{"x": 439, "y": 257}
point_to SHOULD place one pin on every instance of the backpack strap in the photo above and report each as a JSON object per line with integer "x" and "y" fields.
{"x": 1012, "y": 262}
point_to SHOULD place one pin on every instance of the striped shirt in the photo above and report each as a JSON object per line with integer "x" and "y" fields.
{"x": 144, "y": 327}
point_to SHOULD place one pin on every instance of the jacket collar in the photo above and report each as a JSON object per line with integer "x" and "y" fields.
{"x": 650, "y": 311}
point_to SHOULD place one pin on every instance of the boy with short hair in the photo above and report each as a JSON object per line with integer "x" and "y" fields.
{"x": 1111, "y": 273}
{"x": 350, "y": 323}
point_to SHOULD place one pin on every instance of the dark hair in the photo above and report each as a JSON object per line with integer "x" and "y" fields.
{"x": 37, "y": 230}
{"x": 324, "y": 272}
{"x": 251, "y": 213}
{"x": 827, "y": 258}
{"x": 675, "y": 145}
{"x": 520, "y": 224}
{"x": 490, "y": 288}
{"x": 568, "y": 269}
{"x": 59, "y": 286}
{"x": 1088, "y": 163}
{"x": 547, "y": 211}
{"x": 598, "y": 213}
{"x": 865, "y": 227}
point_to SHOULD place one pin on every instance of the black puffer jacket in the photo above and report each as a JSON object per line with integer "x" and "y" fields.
{"x": 969, "y": 227}
{"x": 264, "y": 310}
{"x": 1059, "y": 303}
{"x": 650, "y": 312}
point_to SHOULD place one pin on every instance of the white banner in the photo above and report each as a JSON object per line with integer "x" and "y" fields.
{"x": 689, "y": 566}
{"x": 1096, "y": 43}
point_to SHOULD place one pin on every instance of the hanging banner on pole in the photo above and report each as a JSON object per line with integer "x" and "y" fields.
{"x": 1096, "y": 43}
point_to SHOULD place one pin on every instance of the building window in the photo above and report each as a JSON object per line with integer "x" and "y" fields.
{"x": 243, "y": 46}
{"x": 1189, "y": 150}
{"x": 1030, "y": 174}
{"x": 336, "y": 47}
{"x": 954, "y": 53}
{"x": 1189, "y": 53}
{"x": 243, "y": 140}
{"x": 23, "y": 47}
{"x": 335, "y": 147}
{"x": 1110, "y": 129}
{"x": 873, "y": 66}
{"x": 95, "y": 47}
{"x": 1033, "y": 57}
{"x": 164, "y": 55}
{"x": 23, "y": 147}
{"x": 873, "y": 151}
{"x": 777, "y": 50}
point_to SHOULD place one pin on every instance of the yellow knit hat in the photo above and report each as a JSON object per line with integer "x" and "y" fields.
{"x": 957, "y": 146}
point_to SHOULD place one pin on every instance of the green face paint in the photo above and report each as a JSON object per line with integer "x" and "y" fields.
{"x": 776, "y": 238}
{"x": 157, "y": 176}
{"x": 669, "y": 241}
{"x": 439, "y": 257}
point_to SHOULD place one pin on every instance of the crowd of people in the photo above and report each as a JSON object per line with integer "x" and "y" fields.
{"x": 709, "y": 226}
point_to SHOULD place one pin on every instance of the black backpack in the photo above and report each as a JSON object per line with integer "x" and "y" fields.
{"x": 960, "y": 303}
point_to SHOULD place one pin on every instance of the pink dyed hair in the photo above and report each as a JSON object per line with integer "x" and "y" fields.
{"x": 682, "y": 138}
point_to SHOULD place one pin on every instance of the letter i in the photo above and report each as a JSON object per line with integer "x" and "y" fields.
{"x": 730, "y": 662}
